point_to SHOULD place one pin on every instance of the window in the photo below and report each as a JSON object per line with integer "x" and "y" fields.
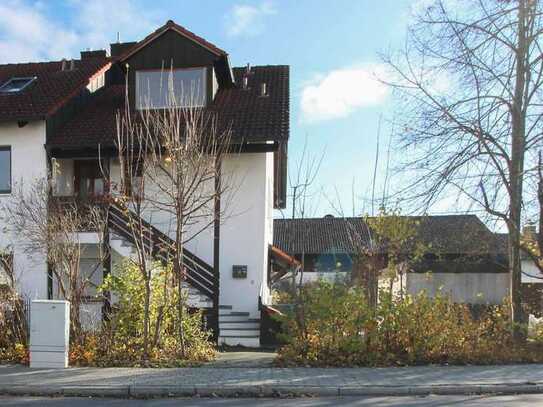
{"x": 92, "y": 275}
{"x": 16, "y": 85}
{"x": 89, "y": 180}
{"x": 179, "y": 87}
{"x": 5, "y": 170}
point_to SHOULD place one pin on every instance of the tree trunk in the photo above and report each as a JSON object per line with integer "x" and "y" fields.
{"x": 146, "y": 307}
{"x": 178, "y": 272}
{"x": 518, "y": 147}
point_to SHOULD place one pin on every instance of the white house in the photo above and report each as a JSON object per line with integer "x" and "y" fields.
{"x": 63, "y": 114}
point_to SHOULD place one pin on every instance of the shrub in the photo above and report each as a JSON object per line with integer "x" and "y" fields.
{"x": 13, "y": 327}
{"x": 334, "y": 326}
{"x": 119, "y": 341}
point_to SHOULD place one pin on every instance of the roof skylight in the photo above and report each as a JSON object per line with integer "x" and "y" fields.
{"x": 15, "y": 85}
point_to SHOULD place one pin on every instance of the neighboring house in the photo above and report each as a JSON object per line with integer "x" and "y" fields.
{"x": 531, "y": 278}
{"x": 63, "y": 114}
{"x": 462, "y": 258}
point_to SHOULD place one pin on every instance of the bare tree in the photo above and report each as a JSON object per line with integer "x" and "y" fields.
{"x": 174, "y": 156}
{"x": 52, "y": 226}
{"x": 132, "y": 146}
{"x": 186, "y": 154}
{"x": 301, "y": 182}
{"x": 469, "y": 86}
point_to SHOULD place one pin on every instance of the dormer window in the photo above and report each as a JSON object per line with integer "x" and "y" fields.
{"x": 159, "y": 89}
{"x": 15, "y": 85}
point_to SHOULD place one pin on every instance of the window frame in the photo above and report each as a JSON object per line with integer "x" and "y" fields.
{"x": 8, "y": 149}
{"x": 202, "y": 68}
{"x": 30, "y": 80}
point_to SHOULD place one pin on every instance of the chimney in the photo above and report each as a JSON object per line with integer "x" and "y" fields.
{"x": 63, "y": 66}
{"x": 120, "y": 48}
{"x": 263, "y": 90}
{"x": 72, "y": 64}
{"x": 99, "y": 53}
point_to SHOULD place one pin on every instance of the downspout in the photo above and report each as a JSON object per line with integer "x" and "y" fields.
{"x": 216, "y": 250}
{"x": 49, "y": 267}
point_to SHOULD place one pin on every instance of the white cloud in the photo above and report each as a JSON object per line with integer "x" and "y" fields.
{"x": 100, "y": 20}
{"x": 343, "y": 91}
{"x": 248, "y": 20}
{"x": 29, "y": 33}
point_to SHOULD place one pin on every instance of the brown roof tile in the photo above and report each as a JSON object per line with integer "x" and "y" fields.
{"x": 250, "y": 116}
{"x": 52, "y": 88}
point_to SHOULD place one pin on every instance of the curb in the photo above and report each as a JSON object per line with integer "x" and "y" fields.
{"x": 156, "y": 391}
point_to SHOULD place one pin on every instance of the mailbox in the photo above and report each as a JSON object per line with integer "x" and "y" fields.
{"x": 239, "y": 271}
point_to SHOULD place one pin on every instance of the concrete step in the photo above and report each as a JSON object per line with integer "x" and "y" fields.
{"x": 239, "y": 320}
{"x": 233, "y": 314}
{"x": 240, "y": 332}
{"x": 246, "y": 341}
{"x": 251, "y": 326}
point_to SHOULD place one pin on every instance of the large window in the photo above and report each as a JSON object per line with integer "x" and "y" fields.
{"x": 165, "y": 88}
{"x": 5, "y": 170}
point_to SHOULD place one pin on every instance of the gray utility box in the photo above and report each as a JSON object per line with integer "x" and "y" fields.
{"x": 49, "y": 333}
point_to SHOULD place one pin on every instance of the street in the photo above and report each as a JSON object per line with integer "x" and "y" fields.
{"x": 520, "y": 400}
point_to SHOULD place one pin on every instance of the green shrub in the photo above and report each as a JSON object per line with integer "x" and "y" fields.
{"x": 120, "y": 341}
{"x": 336, "y": 327}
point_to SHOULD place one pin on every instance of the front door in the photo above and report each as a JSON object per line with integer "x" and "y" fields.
{"x": 89, "y": 180}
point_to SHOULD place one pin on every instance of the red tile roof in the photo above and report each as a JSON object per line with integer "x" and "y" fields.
{"x": 170, "y": 25}
{"x": 52, "y": 88}
{"x": 250, "y": 116}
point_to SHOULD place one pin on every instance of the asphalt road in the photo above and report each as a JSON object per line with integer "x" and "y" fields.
{"x": 429, "y": 401}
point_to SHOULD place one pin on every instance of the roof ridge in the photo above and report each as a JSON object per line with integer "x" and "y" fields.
{"x": 20, "y": 64}
{"x": 170, "y": 24}
{"x": 264, "y": 66}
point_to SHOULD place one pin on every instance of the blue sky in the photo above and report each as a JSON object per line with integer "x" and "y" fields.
{"x": 331, "y": 46}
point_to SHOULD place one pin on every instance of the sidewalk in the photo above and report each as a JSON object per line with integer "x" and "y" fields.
{"x": 229, "y": 381}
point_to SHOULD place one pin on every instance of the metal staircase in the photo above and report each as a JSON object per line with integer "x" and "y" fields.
{"x": 234, "y": 327}
{"x": 198, "y": 274}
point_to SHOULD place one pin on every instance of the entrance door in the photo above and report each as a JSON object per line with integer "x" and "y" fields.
{"x": 89, "y": 180}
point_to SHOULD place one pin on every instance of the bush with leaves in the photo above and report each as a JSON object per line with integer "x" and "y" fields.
{"x": 334, "y": 326}
{"x": 13, "y": 327}
{"x": 119, "y": 342}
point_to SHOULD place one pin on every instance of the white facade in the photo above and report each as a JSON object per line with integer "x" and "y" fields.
{"x": 247, "y": 231}
{"x": 470, "y": 288}
{"x": 530, "y": 273}
{"x": 28, "y": 164}
{"x": 246, "y": 227}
